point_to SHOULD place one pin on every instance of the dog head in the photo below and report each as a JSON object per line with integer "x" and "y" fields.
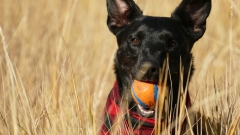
{"x": 144, "y": 42}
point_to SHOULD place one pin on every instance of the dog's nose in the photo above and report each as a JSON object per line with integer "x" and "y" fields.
{"x": 152, "y": 71}
{"x": 148, "y": 72}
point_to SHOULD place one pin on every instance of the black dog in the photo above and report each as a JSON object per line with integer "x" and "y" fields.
{"x": 146, "y": 39}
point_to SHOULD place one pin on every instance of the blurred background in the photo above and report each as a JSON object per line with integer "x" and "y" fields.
{"x": 56, "y": 64}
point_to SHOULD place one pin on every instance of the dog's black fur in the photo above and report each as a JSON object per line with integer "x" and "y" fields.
{"x": 146, "y": 39}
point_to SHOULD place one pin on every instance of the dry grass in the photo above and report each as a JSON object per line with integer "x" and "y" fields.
{"x": 56, "y": 65}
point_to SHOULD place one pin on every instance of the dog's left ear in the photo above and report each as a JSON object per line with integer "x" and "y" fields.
{"x": 121, "y": 13}
{"x": 192, "y": 14}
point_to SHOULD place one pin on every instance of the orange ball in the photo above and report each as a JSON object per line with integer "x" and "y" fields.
{"x": 144, "y": 93}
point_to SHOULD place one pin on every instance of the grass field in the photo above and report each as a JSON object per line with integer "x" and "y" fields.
{"x": 56, "y": 65}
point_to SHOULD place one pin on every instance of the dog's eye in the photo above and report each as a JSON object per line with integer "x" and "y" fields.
{"x": 135, "y": 41}
{"x": 172, "y": 44}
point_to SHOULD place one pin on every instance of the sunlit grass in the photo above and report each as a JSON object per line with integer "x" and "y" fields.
{"x": 56, "y": 65}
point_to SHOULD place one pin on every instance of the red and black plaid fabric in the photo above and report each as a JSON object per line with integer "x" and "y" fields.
{"x": 112, "y": 111}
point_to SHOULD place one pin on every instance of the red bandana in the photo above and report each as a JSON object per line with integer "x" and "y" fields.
{"x": 112, "y": 111}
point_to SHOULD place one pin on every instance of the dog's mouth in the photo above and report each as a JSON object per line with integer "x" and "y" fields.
{"x": 141, "y": 110}
{"x": 145, "y": 112}
{"x": 149, "y": 74}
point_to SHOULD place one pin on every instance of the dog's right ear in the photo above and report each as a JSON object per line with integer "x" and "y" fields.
{"x": 121, "y": 13}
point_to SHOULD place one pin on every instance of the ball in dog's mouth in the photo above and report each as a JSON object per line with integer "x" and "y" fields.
{"x": 145, "y": 95}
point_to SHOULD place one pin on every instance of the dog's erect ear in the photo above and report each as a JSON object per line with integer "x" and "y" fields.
{"x": 121, "y": 13}
{"x": 192, "y": 14}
